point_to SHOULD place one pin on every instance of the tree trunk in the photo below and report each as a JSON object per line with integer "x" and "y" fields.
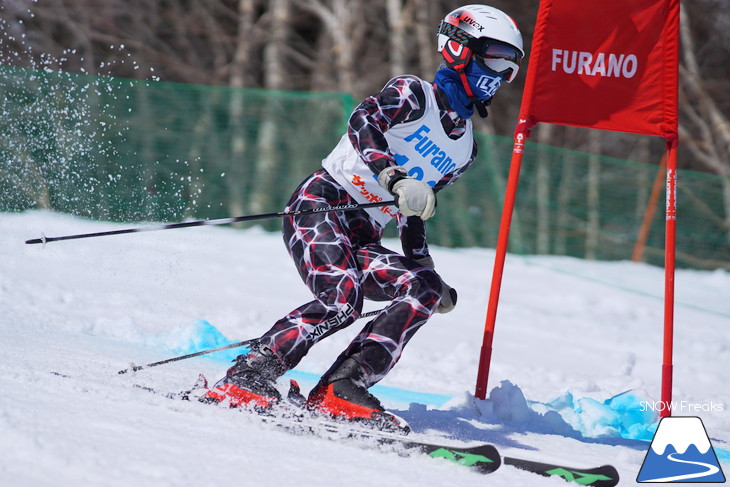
{"x": 726, "y": 206}
{"x": 396, "y": 37}
{"x": 593, "y": 220}
{"x": 542, "y": 174}
{"x": 499, "y": 183}
{"x": 268, "y": 162}
{"x": 704, "y": 128}
{"x": 709, "y": 128}
{"x": 274, "y": 72}
{"x": 239, "y": 65}
{"x": 339, "y": 23}
{"x": 565, "y": 195}
{"x": 428, "y": 57}
{"x": 643, "y": 179}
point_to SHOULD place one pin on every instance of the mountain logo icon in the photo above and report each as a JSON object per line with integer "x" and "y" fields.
{"x": 681, "y": 452}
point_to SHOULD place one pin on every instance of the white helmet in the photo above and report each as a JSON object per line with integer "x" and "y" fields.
{"x": 485, "y": 33}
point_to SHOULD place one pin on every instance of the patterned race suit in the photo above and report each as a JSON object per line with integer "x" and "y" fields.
{"x": 340, "y": 257}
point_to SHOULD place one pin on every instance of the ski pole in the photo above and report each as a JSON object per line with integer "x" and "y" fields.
{"x": 220, "y": 221}
{"x": 135, "y": 368}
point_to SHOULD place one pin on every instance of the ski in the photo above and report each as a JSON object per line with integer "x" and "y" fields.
{"x": 603, "y": 476}
{"x": 292, "y": 417}
{"x": 483, "y": 458}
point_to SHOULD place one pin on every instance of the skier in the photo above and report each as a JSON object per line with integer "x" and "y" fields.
{"x": 409, "y": 141}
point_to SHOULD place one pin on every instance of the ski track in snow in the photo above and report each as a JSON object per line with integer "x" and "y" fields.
{"x": 711, "y": 469}
{"x": 571, "y": 337}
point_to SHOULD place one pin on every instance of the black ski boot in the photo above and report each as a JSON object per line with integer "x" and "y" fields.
{"x": 343, "y": 395}
{"x": 251, "y": 381}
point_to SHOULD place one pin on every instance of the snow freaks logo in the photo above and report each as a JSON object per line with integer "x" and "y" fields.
{"x": 681, "y": 407}
{"x": 681, "y": 452}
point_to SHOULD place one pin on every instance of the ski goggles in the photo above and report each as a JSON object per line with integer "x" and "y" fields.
{"x": 500, "y": 58}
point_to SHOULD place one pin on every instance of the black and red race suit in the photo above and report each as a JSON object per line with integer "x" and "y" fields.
{"x": 339, "y": 255}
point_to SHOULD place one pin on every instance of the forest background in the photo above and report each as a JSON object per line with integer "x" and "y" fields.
{"x": 353, "y": 47}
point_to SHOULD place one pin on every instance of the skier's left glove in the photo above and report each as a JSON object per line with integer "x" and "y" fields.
{"x": 413, "y": 197}
{"x": 448, "y": 294}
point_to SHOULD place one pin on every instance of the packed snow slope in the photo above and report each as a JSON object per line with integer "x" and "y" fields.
{"x": 577, "y": 360}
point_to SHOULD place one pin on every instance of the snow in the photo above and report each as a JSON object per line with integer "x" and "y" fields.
{"x": 689, "y": 430}
{"x": 575, "y": 372}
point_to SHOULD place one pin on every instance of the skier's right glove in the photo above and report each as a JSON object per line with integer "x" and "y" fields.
{"x": 413, "y": 197}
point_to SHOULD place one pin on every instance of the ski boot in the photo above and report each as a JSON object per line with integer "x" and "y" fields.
{"x": 343, "y": 395}
{"x": 251, "y": 382}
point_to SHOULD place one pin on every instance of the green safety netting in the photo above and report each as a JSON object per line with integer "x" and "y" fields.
{"x": 132, "y": 151}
